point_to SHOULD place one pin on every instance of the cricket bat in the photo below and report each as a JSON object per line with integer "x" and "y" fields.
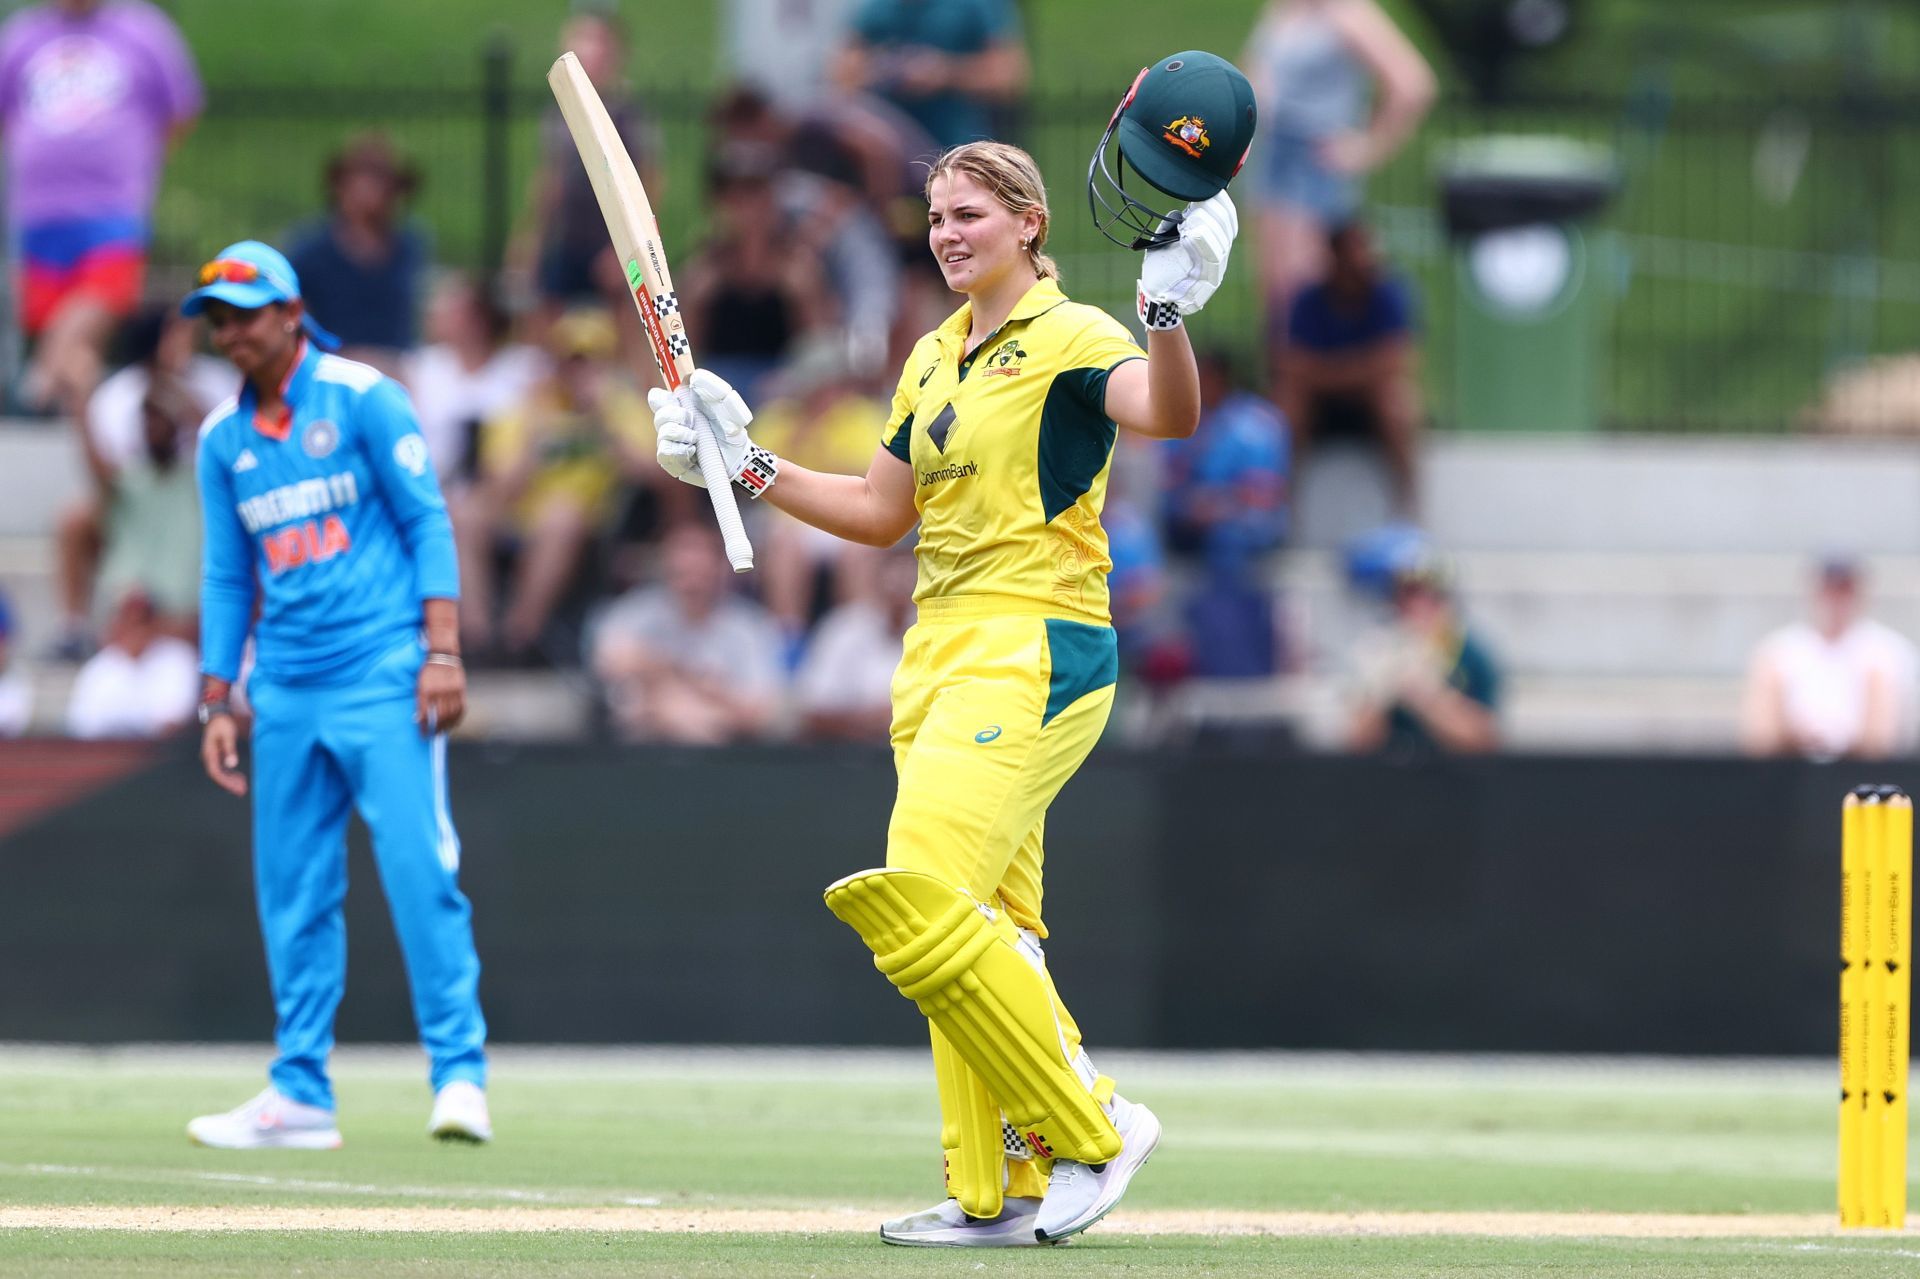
{"x": 636, "y": 239}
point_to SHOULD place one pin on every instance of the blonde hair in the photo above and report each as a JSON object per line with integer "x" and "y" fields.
{"x": 1014, "y": 180}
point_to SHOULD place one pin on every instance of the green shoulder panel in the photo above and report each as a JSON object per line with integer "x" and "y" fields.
{"x": 900, "y": 444}
{"x": 1076, "y": 437}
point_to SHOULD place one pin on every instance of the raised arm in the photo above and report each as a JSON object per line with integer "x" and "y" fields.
{"x": 1161, "y": 397}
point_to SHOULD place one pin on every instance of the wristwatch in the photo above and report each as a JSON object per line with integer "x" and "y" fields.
{"x": 208, "y": 710}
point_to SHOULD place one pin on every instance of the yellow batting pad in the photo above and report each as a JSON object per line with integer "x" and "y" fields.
{"x": 958, "y": 963}
{"x": 969, "y": 1132}
{"x": 1027, "y": 1178}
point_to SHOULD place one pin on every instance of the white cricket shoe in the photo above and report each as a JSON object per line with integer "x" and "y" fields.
{"x": 1080, "y": 1194}
{"x": 460, "y": 1113}
{"x": 269, "y": 1121}
{"x": 948, "y": 1226}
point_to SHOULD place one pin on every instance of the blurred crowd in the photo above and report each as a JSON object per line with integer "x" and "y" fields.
{"x": 809, "y": 284}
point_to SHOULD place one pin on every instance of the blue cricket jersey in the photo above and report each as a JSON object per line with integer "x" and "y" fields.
{"x": 332, "y": 515}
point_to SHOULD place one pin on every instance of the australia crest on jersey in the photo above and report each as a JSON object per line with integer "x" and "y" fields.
{"x": 320, "y": 438}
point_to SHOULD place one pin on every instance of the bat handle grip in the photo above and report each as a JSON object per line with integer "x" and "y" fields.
{"x": 713, "y": 469}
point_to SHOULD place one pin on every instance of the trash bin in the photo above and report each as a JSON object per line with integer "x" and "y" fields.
{"x": 1532, "y": 293}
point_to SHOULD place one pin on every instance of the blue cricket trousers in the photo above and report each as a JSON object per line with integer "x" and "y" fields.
{"x": 320, "y": 751}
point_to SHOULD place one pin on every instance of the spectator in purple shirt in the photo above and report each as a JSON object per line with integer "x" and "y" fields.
{"x": 92, "y": 93}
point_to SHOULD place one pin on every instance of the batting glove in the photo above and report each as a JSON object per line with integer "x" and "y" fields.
{"x": 750, "y": 467}
{"x": 1177, "y": 279}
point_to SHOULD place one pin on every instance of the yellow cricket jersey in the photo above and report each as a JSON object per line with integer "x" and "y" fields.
{"x": 1010, "y": 449}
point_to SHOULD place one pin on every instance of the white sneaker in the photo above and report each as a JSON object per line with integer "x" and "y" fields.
{"x": 1080, "y": 1194}
{"x": 947, "y": 1226}
{"x": 460, "y": 1113}
{"x": 268, "y": 1121}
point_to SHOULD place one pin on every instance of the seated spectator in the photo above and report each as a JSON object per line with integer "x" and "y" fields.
{"x": 1348, "y": 365}
{"x": 16, "y": 692}
{"x": 1423, "y": 684}
{"x": 159, "y": 345}
{"x": 142, "y": 683}
{"x": 844, "y": 687}
{"x": 1226, "y": 486}
{"x": 754, "y": 291}
{"x": 469, "y": 371}
{"x": 1149, "y": 644}
{"x": 551, "y": 470}
{"x": 948, "y": 65}
{"x": 688, "y": 660}
{"x": 562, "y": 251}
{"x": 819, "y": 415}
{"x": 822, "y": 195}
{"x": 363, "y": 269}
{"x": 853, "y": 183}
{"x": 152, "y": 542}
{"x": 1231, "y": 626}
{"x": 1840, "y": 685}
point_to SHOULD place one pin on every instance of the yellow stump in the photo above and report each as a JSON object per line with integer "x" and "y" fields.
{"x": 1853, "y": 1012}
{"x": 1891, "y": 948}
{"x": 1876, "y": 944}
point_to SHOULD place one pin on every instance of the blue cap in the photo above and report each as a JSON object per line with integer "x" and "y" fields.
{"x": 274, "y": 281}
{"x": 6, "y": 617}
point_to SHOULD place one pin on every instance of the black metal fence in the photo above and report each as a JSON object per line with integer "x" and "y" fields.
{"x": 1758, "y": 250}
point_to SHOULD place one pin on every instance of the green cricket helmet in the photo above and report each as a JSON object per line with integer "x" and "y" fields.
{"x": 1184, "y": 128}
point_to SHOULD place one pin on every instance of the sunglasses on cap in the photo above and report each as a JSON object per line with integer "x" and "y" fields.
{"x": 229, "y": 271}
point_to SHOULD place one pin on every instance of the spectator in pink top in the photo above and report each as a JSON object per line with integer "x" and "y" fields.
{"x": 92, "y": 93}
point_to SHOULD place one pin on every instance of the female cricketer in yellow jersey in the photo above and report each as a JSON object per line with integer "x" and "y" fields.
{"x": 998, "y": 445}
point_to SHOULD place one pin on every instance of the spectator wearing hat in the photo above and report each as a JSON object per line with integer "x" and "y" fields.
{"x": 93, "y": 93}
{"x": 1423, "y": 684}
{"x": 1838, "y": 685}
{"x": 551, "y": 471}
{"x": 364, "y": 266}
{"x": 16, "y": 692}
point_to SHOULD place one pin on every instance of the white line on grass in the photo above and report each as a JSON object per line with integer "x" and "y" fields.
{"x": 183, "y": 1176}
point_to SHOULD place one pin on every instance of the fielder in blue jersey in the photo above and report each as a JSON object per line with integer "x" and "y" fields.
{"x": 327, "y": 538}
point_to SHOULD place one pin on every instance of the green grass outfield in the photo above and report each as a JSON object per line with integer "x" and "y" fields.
{"x": 781, "y": 1163}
